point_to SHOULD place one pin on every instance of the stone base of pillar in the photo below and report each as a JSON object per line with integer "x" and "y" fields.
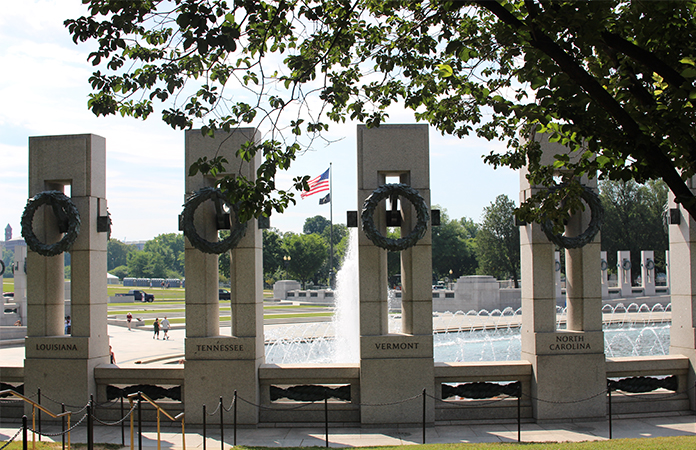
{"x": 208, "y": 377}
{"x": 61, "y": 380}
{"x": 394, "y": 368}
{"x": 569, "y": 376}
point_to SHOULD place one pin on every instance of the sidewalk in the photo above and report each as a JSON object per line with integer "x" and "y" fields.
{"x": 132, "y": 347}
{"x": 302, "y": 436}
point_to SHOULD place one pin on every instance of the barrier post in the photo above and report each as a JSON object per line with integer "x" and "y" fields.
{"x": 25, "y": 444}
{"x": 519, "y": 414}
{"x": 424, "y": 412}
{"x": 204, "y": 429}
{"x": 123, "y": 425}
{"x": 326, "y": 416}
{"x": 38, "y": 398}
{"x": 140, "y": 422}
{"x": 234, "y": 404}
{"x": 610, "y": 424}
{"x": 90, "y": 425}
{"x": 222, "y": 429}
{"x": 62, "y": 425}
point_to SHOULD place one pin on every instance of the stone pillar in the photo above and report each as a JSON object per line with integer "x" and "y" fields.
{"x": 604, "y": 266}
{"x": 20, "y": 281}
{"x": 577, "y": 351}
{"x": 647, "y": 272}
{"x": 682, "y": 286}
{"x": 557, "y": 279}
{"x": 668, "y": 279}
{"x": 623, "y": 270}
{"x": 217, "y": 365}
{"x": 394, "y": 367}
{"x": 63, "y": 365}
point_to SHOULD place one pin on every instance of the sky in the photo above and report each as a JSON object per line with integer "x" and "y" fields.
{"x": 44, "y": 89}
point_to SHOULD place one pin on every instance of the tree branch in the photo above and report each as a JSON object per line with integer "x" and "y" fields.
{"x": 644, "y": 149}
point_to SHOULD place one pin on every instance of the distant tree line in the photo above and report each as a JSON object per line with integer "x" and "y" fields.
{"x": 634, "y": 220}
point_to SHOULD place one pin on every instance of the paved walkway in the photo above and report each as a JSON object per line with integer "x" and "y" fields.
{"x": 303, "y": 436}
{"x": 131, "y": 347}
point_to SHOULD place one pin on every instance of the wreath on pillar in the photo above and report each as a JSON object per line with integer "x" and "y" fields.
{"x": 597, "y": 217}
{"x": 2, "y": 267}
{"x": 368, "y": 222}
{"x": 68, "y": 222}
{"x": 237, "y": 232}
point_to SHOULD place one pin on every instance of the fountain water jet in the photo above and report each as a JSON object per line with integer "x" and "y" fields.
{"x": 347, "y": 317}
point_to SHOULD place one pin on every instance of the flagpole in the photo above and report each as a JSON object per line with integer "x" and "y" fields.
{"x": 331, "y": 284}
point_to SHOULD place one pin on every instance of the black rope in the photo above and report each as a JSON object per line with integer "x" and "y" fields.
{"x": 62, "y": 432}
{"x": 118, "y": 422}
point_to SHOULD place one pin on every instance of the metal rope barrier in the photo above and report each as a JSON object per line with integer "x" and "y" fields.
{"x": 266, "y": 408}
{"x": 478, "y": 403}
{"x": 118, "y": 422}
{"x": 393, "y": 403}
{"x": 60, "y": 403}
{"x": 214, "y": 412}
{"x": 558, "y": 402}
{"x": 65, "y": 432}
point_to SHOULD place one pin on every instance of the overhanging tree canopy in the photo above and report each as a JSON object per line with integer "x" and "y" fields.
{"x": 612, "y": 80}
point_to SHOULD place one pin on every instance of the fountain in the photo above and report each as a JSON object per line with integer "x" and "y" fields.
{"x": 633, "y": 330}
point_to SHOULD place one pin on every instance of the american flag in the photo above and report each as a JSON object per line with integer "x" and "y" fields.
{"x": 317, "y": 184}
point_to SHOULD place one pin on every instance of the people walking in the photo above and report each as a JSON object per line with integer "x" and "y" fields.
{"x": 129, "y": 318}
{"x": 156, "y": 328}
{"x": 165, "y": 327}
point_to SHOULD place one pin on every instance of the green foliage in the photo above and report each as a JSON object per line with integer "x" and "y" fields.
{"x": 308, "y": 253}
{"x": 453, "y": 247}
{"x": 498, "y": 241}
{"x": 144, "y": 264}
{"x": 8, "y": 259}
{"x": 634, "y": 220}
{"x": 117, "y": 253}
{"x": 121, "y": 272}
{"x": 612, "y": 80}
{"x": 170, "y": 247}
{"x": 273, "y": 253}
{"x": 316, "y": 224}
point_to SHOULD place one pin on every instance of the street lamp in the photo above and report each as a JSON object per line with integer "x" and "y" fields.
{"x": 286, "y": 259}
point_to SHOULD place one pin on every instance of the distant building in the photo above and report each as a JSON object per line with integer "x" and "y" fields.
{"x": 139, "y": 244}
{"x": 8, "y": 233}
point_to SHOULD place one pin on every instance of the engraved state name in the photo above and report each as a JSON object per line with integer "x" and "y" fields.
{"x": 219, "y": 347}
{"x": 397, "y": 346}
{"x": 56, "y": 347}
{"x": 570, "y": 343}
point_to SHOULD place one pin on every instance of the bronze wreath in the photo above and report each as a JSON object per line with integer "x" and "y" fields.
{"x": 603, "y": 265}
{"x": 650, "y": 264}
{"x": 2, "y": 269}
{"x": 626, "y": 264}
{"x": 57, "y": 200}
{"x": 236, "y": 233}
{"x": 595, "y": 204}
{"x": 368, "y": 223}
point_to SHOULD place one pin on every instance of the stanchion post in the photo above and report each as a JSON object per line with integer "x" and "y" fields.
{"x": 424, "y": 412}
{"x": 519, "y": 414}
{"x": 25, "y": 444}
{"x": 326, "y": 416}
{"x": 62, "y": 425}
{"x": 234, "y": 404}
{"x": 123, "y": 425}
{"x": 38, "y": 399}
{"x": 611, "y": 431}
{"x": 222, "y": 428}
{"x": 90, "y": 425}
{"x": 204, "y": 429}
{"x": 140, "y": 422}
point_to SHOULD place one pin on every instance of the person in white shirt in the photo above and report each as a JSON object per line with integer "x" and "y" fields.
{"x": 165, "y": 327}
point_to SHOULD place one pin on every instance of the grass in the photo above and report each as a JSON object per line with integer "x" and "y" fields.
{"x": 658, "y": 443}
{"x": 149, "y": 322}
